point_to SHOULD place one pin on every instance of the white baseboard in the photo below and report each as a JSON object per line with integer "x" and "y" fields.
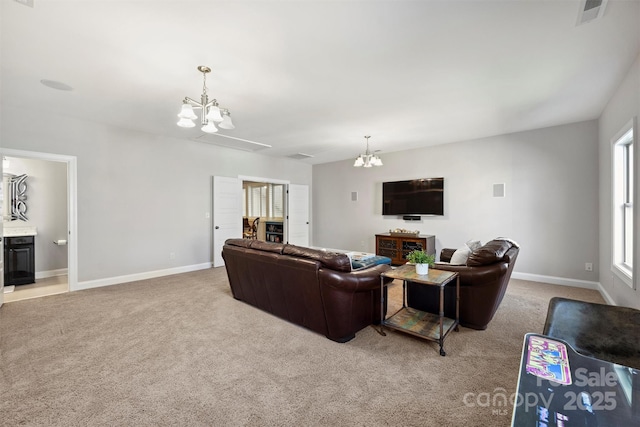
{"x": 89, "y": 284}
{"x": 558, "y": 281}
{"x": 606, "y": 295}
{"x": 51, "y": 273}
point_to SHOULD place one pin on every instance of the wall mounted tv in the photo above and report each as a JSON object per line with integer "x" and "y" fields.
{"x": 413, "y": 197}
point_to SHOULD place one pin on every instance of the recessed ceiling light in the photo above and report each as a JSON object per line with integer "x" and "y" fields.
{"x": 56, "y": 85}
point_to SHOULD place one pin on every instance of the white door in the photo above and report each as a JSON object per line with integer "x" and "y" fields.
{"x": 298, "y": 215}
{"x": 227, "y": 214}
{"x": 1, "y": 238}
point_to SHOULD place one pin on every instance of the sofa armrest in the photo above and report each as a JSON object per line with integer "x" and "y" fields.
{"x": 356, "y": 281}
{"x": 446, "y": 254}
{"x": 486, "y": 275}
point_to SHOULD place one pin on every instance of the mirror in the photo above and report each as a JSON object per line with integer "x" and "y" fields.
{"x": 15, "y": 192}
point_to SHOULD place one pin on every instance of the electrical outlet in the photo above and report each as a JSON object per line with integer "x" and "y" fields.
{"x": 588, "y": 266}
{"x": 207, "y": 215}
{"x": 172, "y": 255}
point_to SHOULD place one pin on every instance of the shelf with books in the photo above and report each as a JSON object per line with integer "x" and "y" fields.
{"x": 274, "y": 231}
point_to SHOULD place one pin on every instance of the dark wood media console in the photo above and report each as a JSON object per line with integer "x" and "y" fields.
{"x": 397, "y": 246}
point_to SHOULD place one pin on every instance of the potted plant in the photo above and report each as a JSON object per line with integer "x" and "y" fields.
{"x": 422, "y": 260}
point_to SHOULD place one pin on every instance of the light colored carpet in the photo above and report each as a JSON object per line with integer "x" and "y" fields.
{"x": 180, "y": 350}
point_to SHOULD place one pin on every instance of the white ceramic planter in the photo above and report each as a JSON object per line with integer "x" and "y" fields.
{"x": 422, "y": 269}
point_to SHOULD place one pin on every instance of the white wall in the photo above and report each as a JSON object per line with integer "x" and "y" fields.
{"x": 140, "y": 196}
{"x": 622, "y": 107}
{"x": 46, "y": 210}
{"x": 550, "y": 208}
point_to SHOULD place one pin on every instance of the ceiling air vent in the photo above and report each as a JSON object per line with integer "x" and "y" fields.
{"x": 231, "y": 142}
{"x": 300, "y": 156}
{"x": 590, "y": 10}
{"x": 25, "y": 2}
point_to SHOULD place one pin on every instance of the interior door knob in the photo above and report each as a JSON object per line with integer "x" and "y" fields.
{"x": 216, "y": 227}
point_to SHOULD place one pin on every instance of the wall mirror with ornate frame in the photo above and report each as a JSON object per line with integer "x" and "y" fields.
{"x": 14, "y": 191}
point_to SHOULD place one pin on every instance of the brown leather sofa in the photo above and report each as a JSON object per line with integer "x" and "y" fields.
{"x": 309, "y": 287}
{"x": 483, "y": 282}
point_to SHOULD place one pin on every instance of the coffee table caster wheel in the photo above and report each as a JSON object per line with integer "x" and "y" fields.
{"x": 442, "y": 352}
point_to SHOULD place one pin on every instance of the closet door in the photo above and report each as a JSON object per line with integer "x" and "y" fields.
{"x": 298, "y": 215}
{"x": 227, "y": 214}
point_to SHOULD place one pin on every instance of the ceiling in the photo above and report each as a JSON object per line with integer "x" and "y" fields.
{"x": 315, "y": 77}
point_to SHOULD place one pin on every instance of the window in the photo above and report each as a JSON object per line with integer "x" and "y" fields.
{"x": 276, "y": 196}
{"x": 623, "y": 195}
{"x": 263, "y": 200}
{"x": 257, "y": 201}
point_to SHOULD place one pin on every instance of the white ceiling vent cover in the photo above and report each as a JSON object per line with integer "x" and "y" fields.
{"x": 300, "y": 156}
{"x": 231, "y": 142}
{"x": 25, "y": 2}
{"x": 590, "y": 10}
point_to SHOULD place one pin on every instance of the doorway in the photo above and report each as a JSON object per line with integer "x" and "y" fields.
{"x": 53, "y": 215}
{"x": 263, "y": 216}
{"x": 228, "y": 212}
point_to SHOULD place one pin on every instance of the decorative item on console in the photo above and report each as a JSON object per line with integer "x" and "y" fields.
{"x": 403, "y": 232}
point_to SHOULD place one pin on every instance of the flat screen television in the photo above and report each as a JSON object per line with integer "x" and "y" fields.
{"x": 413, "y": 197}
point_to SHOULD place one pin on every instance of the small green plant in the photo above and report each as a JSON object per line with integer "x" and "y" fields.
{"x": 421, "y": 257}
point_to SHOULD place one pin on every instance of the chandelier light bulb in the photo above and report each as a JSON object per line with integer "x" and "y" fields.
{"x": 186, "y": 123}
{"x": 214, "y": 114}
{"x": 210, "y": 127}
{"x": 187, "y": 113}
{"x": 226, "y": 121}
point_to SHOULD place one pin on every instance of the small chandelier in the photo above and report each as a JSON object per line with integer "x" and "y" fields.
{"x": 211, "y": 111}
{"x": 367, "y": 159}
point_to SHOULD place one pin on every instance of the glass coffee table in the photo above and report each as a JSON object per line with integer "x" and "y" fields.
{"x": 434, "y": 327}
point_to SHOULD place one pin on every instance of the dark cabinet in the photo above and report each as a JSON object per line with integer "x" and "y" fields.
{"x": 19, "y": 260}
{"x": 397, "y": 247}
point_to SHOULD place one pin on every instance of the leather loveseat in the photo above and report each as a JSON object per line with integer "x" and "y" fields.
{"x": 483, "y": 283}
{"x": 313, "y": 288}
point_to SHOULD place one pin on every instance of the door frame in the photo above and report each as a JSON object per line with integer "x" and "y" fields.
{"x": 72, "y": 208}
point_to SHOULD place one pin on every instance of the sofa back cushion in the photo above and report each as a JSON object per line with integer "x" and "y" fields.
{"x": 276, "y": 248}
{"x": 492, "y": 252}
{"x": 258, "y": 245}
{"x": 332, "y": 260}
{"x": 243, "y": 243}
